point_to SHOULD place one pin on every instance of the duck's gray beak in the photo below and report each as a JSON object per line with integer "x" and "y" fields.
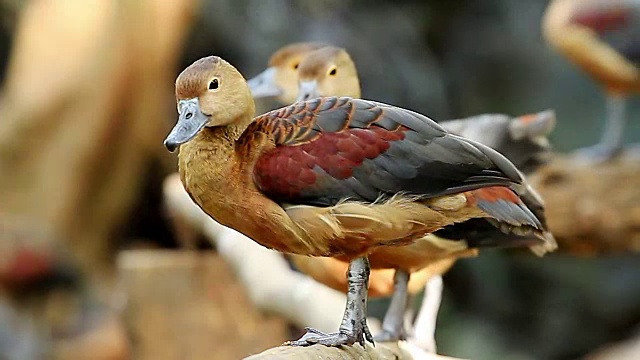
{"x": 190, "y": 121}
{"x": 264, "y": 84}
{"x": 307, "y": 90}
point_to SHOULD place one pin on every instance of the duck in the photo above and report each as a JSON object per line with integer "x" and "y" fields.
{"x": 330, "y": 71}
{"x": 601, "y": 38}
{"x": 337, "y": 177}
{"x": 274, "y": 81}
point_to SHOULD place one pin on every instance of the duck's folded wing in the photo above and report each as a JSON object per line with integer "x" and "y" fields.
{"x": 330, "y": 149}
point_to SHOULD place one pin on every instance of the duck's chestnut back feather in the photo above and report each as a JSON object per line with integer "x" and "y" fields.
{"x": 331, "y": 149}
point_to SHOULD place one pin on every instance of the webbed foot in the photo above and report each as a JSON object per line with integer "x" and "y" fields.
{"x": 354, "y": 323}
{"x": 359, "y": 334}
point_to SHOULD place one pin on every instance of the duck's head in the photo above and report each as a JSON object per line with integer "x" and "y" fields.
{"x": 210, "y": 92}
{"x": 328, "y": 71}
{"x": 280, "y": 79}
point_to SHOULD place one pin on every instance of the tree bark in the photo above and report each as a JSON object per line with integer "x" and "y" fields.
{"x": 382, "y": 351}
{"x": 592, "y": 209}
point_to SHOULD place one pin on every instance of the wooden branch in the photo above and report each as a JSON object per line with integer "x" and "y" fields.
{"x": 592, "y": 209}
{"x": 382, "y": 351}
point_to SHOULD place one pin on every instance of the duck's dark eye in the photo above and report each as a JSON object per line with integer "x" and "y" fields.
{"x": 213, "y": 85}
{"x": 295, "y": 66}
{"x": 333, "y": 71}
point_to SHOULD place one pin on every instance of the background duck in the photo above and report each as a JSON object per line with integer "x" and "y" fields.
{"x": 336, "y": 177}
{"x": 602, "y": 37}
{"x": 275, "y": 81}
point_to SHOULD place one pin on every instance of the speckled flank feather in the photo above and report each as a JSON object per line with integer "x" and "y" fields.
{"x": 398, "y": 220}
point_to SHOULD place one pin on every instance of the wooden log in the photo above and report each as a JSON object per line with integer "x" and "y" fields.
{"x": 189, "y": 305}
{"x": 592, "y": 209}
{"x": 382, "y": 351}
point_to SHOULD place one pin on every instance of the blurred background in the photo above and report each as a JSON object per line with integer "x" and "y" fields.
{"x": 87, "y": 98}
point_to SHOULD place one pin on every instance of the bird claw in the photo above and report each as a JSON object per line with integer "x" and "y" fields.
{"x": 343, "y": 337}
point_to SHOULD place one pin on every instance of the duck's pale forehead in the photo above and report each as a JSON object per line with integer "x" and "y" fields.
{"x": 313, "y": 70}
{"x": 290, "y": 52}
{"x": 189, "y": 84}
{"x": 192, "y": 80}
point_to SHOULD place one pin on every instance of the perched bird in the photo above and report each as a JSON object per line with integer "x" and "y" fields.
{"x": 330, "y": 71}
{"x": 602, "y": 37}
{"x": 338, "y": 177}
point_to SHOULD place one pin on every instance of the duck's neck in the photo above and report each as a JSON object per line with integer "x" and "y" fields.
{"x": 208, "y": 163}
{"x": 218, "y": 180}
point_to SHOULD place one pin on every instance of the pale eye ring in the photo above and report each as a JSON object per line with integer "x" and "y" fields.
{"x": 214, "y": 84}
{"x": 333, "y": 71}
